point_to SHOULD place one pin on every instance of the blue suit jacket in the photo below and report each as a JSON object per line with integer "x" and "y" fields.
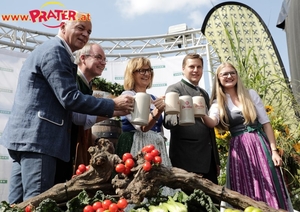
{"x": 46, "y": 95}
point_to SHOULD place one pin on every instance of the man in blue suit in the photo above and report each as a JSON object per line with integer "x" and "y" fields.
{"x": 39, "y": 127}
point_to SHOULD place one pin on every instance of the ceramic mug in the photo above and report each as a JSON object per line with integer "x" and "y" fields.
{"x": 199, "y": 106}
{"x": 186, "y": 116}
{"x": 141, "y": 109}
{"x": 98, "y": 94}
{"x": 172, "y": 103}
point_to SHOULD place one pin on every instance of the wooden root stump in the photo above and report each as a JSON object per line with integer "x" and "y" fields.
{"x": 138, "y": 184}
{"x": 146, "y": 184}
{"x": 98, "y": 177}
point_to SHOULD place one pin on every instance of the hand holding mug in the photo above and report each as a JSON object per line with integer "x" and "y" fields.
{"x": 159, "y": 103}
{"x": 141, "y": 110}
{"x": 124, "y": 103}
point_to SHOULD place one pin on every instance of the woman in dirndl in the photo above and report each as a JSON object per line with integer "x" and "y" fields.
{"x": 253, "y": 165}
{"x": 138, "y": 78}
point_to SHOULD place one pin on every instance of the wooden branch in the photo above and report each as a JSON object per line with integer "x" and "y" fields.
{"x": 146, "y": 184}
{"x": 63, "y": 192}
{"x": 138, "y": 184}
{"x": 96, "y": 178}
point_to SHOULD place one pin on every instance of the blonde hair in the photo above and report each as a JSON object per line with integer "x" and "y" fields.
{"x": 248, "y": 108}
{"x": 133, "y": 65}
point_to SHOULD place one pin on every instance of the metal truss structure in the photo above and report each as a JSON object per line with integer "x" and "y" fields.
{"x": 159, "y": 46}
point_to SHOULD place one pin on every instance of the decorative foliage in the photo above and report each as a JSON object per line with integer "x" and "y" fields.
{"x": 267, "y": 77}
{"x": 101, "y": 84}
{"x": 288, "y": 145}
{"x": 222, "y": 139}
{"x": 222, "y": 135}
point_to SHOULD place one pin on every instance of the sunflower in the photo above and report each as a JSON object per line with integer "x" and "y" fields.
{"x": 269, "y": 109}
{"x": 222, "y": 134}
{"x": 286, "y": 129}
{"x": 297, "y": 147}
{"x": 277, "y": 133}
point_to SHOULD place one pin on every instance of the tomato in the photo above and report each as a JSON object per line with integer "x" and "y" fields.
{"x": 120, "y": 168}
{"x": 88, "y": 208}
{"x": 127, "y": 171}
{"x": 78, "y": 172}
{"x": 113, "y": 207}
{"x": 97, "y": 205}
{"x": 157, "y": 160}
{"x": 122, "y": 203}
{"x": 100, "y": 210}
{"x": 155, "y": 152}
{"x": 129, "y": 163}
{"x": 82, "y": 168}
{"x": 148, "y": 157}
{"x": 148, "y": 148}
{"x": 87, "y": 167}
{"x": 126, "y": 156}
{"x": 106, "y": 203}
{"x": 147, "y": 166}
{"x": 28, "y": 208}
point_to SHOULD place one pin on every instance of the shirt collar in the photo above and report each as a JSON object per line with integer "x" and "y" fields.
{"x": 67, "y": 48}
{"x": 81, "y": 75}
{"x": 191, "y": 84}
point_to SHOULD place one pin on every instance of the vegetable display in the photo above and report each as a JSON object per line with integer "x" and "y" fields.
{"x": 147, "y": 163}
{"x": 198, "y": 201}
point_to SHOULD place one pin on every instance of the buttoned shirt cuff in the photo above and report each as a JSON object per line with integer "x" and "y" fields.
{"x": 90, "y": 121}
{"x": 83, "y": 120}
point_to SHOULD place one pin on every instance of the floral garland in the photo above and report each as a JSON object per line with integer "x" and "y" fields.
{"x": 101, "y": 84}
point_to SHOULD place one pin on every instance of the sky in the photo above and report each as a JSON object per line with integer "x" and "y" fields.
{"x": 134, "y": 18}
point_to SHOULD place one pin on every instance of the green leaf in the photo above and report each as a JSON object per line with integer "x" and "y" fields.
{"x": 5, "y": 207}
{"x": 79, "y": 202}
{"x": 48, "y": 205}
{"x": 113, "y": 88}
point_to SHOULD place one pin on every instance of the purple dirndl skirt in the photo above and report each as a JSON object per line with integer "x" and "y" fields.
{"x": 250, "y": 170}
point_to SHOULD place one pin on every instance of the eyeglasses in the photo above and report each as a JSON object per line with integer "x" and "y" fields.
{"x": 143, "y": 71}
{"x": 97, "y": 57}
{"x": 226, "y": 74}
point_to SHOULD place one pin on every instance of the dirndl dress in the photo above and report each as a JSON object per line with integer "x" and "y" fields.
{"x": 251, "y": 171}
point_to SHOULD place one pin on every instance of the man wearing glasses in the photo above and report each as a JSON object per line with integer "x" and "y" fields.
{"x": 38, "y": 130}
{"x": 91, "y": 62}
